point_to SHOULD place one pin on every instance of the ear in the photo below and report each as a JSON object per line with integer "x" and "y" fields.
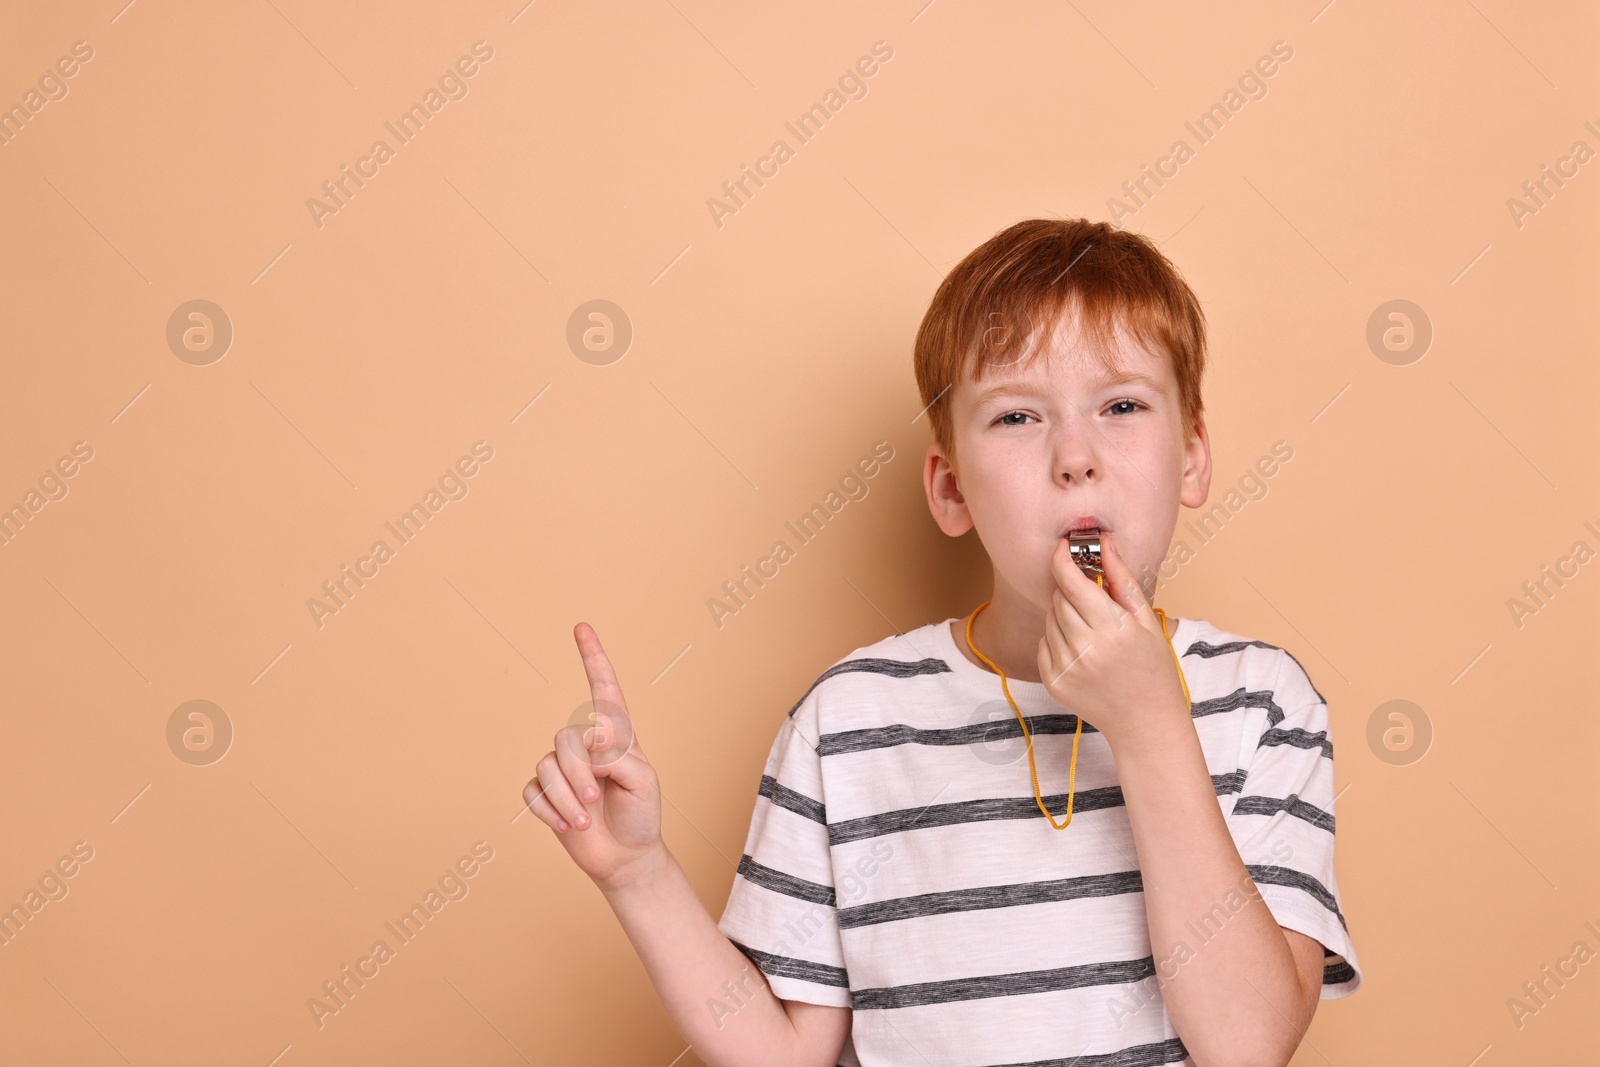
{"x": 1196, "y": 466}
{"x": 949, "y": 507}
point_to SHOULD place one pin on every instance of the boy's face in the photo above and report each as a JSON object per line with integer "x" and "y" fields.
{"x": 1040, "y": 447}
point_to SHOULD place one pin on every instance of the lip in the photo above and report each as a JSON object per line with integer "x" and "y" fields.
{"x": 1086, "y": 522}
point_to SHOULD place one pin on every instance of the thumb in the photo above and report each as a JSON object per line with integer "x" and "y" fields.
{"x": 616, "y": 755}
{"x": 608, "y": 735}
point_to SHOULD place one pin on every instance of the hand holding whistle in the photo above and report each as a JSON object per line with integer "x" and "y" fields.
{"x": 1119, "y": 677}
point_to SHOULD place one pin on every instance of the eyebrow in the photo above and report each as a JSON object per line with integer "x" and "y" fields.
{"x": 1132, "y": 377}
{"x": 1031, "y": 386}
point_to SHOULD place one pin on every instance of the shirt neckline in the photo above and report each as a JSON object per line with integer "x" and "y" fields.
{"x": 1179, "y": 630}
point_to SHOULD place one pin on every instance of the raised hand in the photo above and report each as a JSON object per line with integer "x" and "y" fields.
{"x": 596, "y": 789}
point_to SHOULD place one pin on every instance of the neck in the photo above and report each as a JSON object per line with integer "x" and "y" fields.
{"x": 1008, "y": 631}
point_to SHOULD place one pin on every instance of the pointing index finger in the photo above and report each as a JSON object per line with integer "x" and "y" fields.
{"x": 611, "y": 735}
{"x": 602, "y": 679}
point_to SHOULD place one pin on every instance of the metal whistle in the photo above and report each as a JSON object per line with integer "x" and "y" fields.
{"x": 1084, "y": 547}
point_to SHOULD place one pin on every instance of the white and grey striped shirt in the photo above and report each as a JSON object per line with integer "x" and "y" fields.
{"x": 898, "y": 864}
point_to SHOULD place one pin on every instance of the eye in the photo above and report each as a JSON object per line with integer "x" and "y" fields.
{"x": 1001, "y": 420}
{"x": 1119, "y": 403}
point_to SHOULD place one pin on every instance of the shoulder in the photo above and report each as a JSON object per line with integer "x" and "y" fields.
{"x": 868, "y": 669}
{"x": 1230, "y": 660}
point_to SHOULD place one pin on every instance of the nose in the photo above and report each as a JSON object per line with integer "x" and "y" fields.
{"x": 1076, "y": 451}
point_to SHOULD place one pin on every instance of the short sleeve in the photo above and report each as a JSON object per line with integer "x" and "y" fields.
{"x": 1282, "y": 823}
{"x": 780, "y": 911}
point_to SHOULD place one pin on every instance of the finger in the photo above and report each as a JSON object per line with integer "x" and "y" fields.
{"x": 542, "y": 808}
{"x": 604, "y": 689}
{"x": 1079, "y": 589}
{"x": 539, "y": 804}
{"x": 558, "y": 791}
{"x": 1075, "y": 629}
{"x": 602, "y": 679}
{"x": 631, "y": 772}
{"x": 572, "y": 754}
{"x": 1122, "y": 585}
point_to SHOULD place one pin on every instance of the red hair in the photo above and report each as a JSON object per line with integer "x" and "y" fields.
{"x": 995, "y": 307}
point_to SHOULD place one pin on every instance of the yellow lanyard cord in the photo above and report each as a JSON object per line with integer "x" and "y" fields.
{"x": 1072, "y": 773}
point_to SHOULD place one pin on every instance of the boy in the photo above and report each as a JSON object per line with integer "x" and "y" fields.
{"x": 1062, "y": 829}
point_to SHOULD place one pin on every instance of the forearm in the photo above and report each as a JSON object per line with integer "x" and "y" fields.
{"x": 718, "y": 1000}
{"x": 1223, "y": 965}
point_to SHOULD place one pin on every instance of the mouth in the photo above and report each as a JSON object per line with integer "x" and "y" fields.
{"x": 1086, "y": 522}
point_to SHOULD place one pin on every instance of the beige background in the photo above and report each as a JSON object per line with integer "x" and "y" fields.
{"x": 768, "y": 355}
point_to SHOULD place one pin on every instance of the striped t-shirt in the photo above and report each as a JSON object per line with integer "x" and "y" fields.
{"x": 898, "y": 864}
